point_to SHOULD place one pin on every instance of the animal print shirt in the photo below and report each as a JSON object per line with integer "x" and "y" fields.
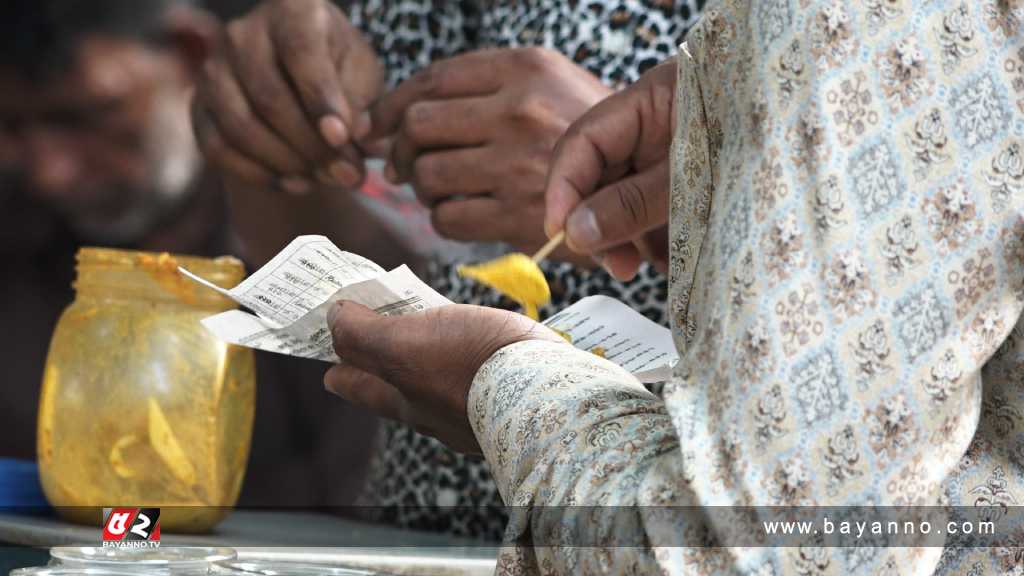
{"x": 414, "y": 481}
{"x": 846, "y": 288}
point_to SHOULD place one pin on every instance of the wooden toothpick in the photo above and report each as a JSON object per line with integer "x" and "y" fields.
{"x": 549, "y": 247}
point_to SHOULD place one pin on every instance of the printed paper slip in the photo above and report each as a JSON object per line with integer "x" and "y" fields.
{"x": 304, "y": 275}
{"x": 628, "y": 338}
{"x": 394, "y": 293}
{"x": 292, "y": 293}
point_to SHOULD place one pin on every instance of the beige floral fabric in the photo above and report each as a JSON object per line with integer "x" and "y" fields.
{"x": 847, "y": 280}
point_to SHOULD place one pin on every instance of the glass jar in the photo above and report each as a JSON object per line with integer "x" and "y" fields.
{"x": 140, "y": 405}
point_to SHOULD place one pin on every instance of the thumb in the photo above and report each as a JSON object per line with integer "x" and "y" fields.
{"x": 605, "y": 136}
{"x": 631, "y": 127}
{"x": 620, "y": 212}
{"x": 361, "y": 337}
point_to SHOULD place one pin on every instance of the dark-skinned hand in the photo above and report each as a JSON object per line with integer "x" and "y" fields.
{"x": 284, "y": 97}
{"x": 609, "y": 182}
{"x": 474, "y": 136}
{"x": 418, "y": 368}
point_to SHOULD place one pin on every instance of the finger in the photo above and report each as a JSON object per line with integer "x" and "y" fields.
{"x": 242, "y": 128}
{"x": 434, "y": 124}
{"x": 379, "y": 148}
{"x": 653, "y": 247}
{"x": 367, "y": 391}
{"x": 348, "y": 168}
{"x": 620, "y": 212}
{"x": 219, "y": 153}
{"x": 632, "y": 127}
{"x": 459, "y": 122}
{"x": 472, "y": 74}
{"x": 480, "y": 218}
{"x": 362, "y": 337}
{"x": 622, "y": 262}
{"x": 401, "y": 158}
{"x": 309, "y": 66}
{"x": 604, "y": 136}
{"x": 438, "y": 176}
{"x": 273, "y": 100}
{"x": 614, "y": 174}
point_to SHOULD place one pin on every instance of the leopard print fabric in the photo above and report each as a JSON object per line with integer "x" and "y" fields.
{"x": 615, "y": 40}
{"x": 414, "y": 481}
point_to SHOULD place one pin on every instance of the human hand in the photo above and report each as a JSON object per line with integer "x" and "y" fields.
{"x": 474, "y": 135}
{"x": 280, "y": 104}
{"x": 608, "y": 187}
{"x": 418, "y": 368}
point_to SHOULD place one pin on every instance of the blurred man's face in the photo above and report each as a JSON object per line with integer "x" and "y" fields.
{"x": 106, "y": 142}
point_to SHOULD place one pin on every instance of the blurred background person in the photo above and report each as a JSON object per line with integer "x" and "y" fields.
{"x": 465, "y": 101}
{"x": 96, "y": 149}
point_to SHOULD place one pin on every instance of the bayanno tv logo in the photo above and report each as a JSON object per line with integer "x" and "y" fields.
{"x": 131, "y": 527}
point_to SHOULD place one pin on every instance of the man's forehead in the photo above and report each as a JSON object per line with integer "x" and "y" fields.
{"x": 101, "y": 70}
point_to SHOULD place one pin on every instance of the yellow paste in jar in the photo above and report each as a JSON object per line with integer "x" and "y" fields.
{"x": 140, "y": 405}
{"x": 166, "y": 444}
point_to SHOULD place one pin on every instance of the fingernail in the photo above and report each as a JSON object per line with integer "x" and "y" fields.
{"x": 332, "y": 313}
{"x": 334, "y": 131}
{"x": 296, "y": 185}
{"x": 581, "y": 229}
{"x": 344, "y": 173}
{"x": 551, "y": 229}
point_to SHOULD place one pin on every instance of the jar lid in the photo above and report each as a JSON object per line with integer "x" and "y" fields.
{"x": 155, "y": 276}
{"x": 242, "y": 568}
{"x": 165, "y": 557}
{"x": 226, "y": 267}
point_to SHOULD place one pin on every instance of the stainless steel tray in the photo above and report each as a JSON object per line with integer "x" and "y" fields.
{"x": 291, "y": 536}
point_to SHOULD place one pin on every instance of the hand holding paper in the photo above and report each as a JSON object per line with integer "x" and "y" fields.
{"x": 419, "y": 368}
{"x": 292, "y": 294}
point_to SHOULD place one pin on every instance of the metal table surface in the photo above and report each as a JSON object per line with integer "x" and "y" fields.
{"x": 292, "y": 536}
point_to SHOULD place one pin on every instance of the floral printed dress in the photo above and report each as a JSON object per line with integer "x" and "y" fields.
{"x": 846, "y": 288}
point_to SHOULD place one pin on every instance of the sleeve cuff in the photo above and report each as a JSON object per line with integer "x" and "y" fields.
{"x": 524, "y": 381}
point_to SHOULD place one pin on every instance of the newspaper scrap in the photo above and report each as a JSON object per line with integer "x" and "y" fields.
{"x": 298, "y": 279}
{"x": 291, "y": 294}
{"x": 623, "y": 335}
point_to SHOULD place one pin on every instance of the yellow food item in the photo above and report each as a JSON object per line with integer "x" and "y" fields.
{"x": 121, "y": 468}
{"x": 598, "y": 351}
{"x": 162, "y": 438}
{"x": 516, "y": 276}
